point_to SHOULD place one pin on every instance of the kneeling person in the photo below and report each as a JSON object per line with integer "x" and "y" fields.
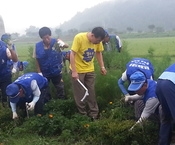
{"x": 29, "y": 89}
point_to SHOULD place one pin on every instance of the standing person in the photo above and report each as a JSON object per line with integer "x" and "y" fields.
{"x": 49, "y": 59}
{"x": 8, "y": 41}
{"x": 28, "y": 88}
{"x": 166, "y": 94}
{"x": 136, "y": 64}
{"x": 84, "y": 48}
{"x": 109, "y": 40}
{"x": 6, "y": 53}
{"x": 147, "y": 89}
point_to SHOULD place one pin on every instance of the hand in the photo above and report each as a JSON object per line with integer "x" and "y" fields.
{"x": 15, "y": 115}
{"x": 60, "y": 43}
{"x": 103, "y": 71}
{"x": 30, "y": 106}
{"x": 127, "y": 97}
{"x": 14, "y": 70}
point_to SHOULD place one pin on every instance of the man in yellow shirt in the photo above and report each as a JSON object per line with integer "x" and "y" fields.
{"x": 85, "y": 46}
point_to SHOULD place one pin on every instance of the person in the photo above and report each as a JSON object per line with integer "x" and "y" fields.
{"x": 6, "y": 53}
{"x": 135, "y": 64}
{"x": 29, "y": 88}
{"x": 6, "y": 37}
{"x": 147, "y": 89}
{"x": 109, "y": 40}
{"x": 165, "y": 91}
{"x": 66, "y": 56}
{"x": 49, "y": 59}
{"x": 85, "y": 46}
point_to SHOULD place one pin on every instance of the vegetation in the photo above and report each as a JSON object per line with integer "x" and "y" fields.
{"x": 62, "y": 125}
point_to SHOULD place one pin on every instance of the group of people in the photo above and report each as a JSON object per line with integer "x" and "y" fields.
{"x": 31, "y": 90}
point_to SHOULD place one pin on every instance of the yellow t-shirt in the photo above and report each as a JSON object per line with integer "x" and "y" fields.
{"x": 85, "y": 52}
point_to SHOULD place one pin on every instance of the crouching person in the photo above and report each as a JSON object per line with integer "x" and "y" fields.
{"x": 146, "y": 88}
{"x": 28, "y": 90}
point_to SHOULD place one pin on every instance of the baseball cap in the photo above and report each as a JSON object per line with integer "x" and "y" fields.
{"x": 12, "y": 92}
{"x": 137, "y": 80}
{"x": 106, "y": 33}
{"x": 5, "y": 37}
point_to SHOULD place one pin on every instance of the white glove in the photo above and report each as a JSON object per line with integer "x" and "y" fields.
{"x": 30, "y": 106}
{"x": 40, "y": 73}
{"x": 132, "y": 97}
{"x": 14, "y": 70}
{"x": 60, "y": 43}
{"x": 15, "y": 115}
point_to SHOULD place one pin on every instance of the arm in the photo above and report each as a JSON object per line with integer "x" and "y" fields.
{"x": 72, "y": 63}
{"x": 121, "y": 82}
{"x": 101, "y": 63}
{"x": 11, "y": 54}
{"x": 13, "y": 107}
{"x": 36, "y": 94}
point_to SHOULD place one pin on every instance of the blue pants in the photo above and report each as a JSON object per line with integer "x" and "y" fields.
{"x": 166, "y": 94}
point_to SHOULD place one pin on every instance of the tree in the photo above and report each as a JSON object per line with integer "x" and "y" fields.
{"x": 32, "y": 31}
{"x": 58, "y": 32}
{"x": 151, "y": 27}
{"x": 129, "y": 29}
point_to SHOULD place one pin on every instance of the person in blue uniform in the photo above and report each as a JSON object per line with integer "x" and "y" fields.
{"x": 49, "y": 60}
{"x": 29, "y": 88}
{"x": 6, "y": 54}
{"x": 165, "y": 91}
{"x": 147, "y": 89}
{"x": 112, "y": 42}
{"x": 135, "y": 64}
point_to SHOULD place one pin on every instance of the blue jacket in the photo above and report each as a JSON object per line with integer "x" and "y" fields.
{"x": 5, "y": 71}
{"x": 25, "y": 82}
{"x": 151, "y": 90}
{"x": 140, "y": 64}
{"x": 50, "y": 60}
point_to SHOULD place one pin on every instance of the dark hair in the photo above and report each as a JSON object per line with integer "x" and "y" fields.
{"x": 44, "y": 31}
{"x": 99, "y": 32}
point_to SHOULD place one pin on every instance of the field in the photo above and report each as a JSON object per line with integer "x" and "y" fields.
{"x": 66, "y": 127}
{"x": 137, "y": 47}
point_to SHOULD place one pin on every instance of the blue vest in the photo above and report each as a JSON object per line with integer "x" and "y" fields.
{"x": 151, "y": 90}
{"x": 50, "y": 60}
{"x": 25, "y": 82}
{"x": 169, "y": 74}
{"x": 139, "y": 64}
{"x": 5, "y": 71}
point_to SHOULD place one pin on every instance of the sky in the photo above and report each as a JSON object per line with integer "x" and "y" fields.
{"x": 18, "y": 15}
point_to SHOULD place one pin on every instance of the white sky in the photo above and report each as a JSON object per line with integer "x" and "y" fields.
{"x": 21, "y": 14}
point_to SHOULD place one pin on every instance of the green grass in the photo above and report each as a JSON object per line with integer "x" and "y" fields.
{"x": 140, "y": 46}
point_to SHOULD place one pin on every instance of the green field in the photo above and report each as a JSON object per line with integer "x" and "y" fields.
{"x": 137, "y": 47}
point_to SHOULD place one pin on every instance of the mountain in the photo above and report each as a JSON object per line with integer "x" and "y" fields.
{"x": 136, "y": 14}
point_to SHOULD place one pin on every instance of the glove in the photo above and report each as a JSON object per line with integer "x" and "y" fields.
{"x": 40, "y": 73}
{"x": 132, "y": 97}
{"x": 15, "y": 115}
{"x": 60, "y": 43}
{"x": 14, "y": 70}
{"x": 30, "y": 106}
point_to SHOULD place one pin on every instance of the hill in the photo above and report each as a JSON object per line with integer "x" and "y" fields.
{"x": 120, "y": 15}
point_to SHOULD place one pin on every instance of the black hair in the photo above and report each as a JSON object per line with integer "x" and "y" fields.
{"x": 99, "y": 32}
{"x": 44, "y": 31}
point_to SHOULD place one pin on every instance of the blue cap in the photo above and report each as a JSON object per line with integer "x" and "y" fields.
{"x": 25, "y": 64}
{"x": 106, "y": 33}
{"x": 137, "y": 80}
{"x": 5, "y": 37}
{"x": 12, "y": 92}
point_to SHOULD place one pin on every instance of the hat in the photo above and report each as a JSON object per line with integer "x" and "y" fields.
{"x": 137, "y": 80}
{"x": 106, "y": 33}
{"x": 6, "y": 37}
{"x": 12, "y": 92}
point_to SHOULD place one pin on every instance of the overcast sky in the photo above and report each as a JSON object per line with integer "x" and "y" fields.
{"x": 20, "y": 14}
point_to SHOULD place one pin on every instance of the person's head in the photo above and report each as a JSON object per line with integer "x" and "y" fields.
{"x": 107, "y": 38}
{"x": 138, "y": 83}
{"x": 45, "y": 35}
{"x": 6, "y": 37}
{"x": 97, "y": 35}
{"x": 14, "y": 92}
{"x": 22, "y": 65}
